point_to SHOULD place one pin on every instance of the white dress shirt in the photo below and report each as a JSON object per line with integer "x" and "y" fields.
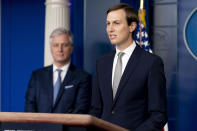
{"x": 125, "y": 58}
{"x": 63, "y": 73}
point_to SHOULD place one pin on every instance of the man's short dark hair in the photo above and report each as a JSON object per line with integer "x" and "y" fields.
{"x": 131, "y": 14}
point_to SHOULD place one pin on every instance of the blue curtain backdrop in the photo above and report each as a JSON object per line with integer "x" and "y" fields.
{"x": 22, "y": 48}
{"x": 76, "y": 26}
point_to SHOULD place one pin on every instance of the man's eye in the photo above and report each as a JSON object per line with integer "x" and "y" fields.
{"x": 65, "y": 45}
{"x": 116, "y": 23}
{"x": 55, "y": 45}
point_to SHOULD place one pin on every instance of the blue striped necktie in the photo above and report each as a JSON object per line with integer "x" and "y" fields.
{"x": 57, "y": 86}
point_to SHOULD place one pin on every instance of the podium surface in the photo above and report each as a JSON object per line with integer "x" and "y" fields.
{"x": 67, "y": 120}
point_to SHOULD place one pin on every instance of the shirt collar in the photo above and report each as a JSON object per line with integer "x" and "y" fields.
{"x": 129, "y": 50}
{"x": 64, "y": 68}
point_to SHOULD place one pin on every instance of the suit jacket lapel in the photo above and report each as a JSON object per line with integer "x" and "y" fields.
{"x": 130, "y": 67}
{"x": 49, "y": 85}
{"x": 108, "y": 74}
{"x": 65, "y": 82}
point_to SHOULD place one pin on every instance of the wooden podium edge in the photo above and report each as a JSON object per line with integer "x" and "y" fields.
{"x": 64, "y": 119}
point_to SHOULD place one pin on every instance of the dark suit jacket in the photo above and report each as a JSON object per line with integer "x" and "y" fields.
{"x": 74, "y": 94}
{"x": 140, "y": 102}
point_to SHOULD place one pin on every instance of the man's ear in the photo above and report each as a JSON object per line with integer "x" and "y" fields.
{"x": 132, "y": 26}
{"x": 72, "y": 48}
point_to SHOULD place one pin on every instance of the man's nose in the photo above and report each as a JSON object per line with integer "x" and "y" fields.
{"x": 111, "y": 28}
{"x": 60, "y": 47}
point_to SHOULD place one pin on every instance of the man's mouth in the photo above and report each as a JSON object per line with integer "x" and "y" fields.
{"x": 112, "y": 36}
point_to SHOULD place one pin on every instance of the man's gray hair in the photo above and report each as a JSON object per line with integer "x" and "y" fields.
{"x": 60, "y": 31}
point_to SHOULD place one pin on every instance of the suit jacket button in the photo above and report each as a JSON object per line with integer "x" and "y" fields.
{"x": 70, "y": 110}
{"x": 112, "y": 112}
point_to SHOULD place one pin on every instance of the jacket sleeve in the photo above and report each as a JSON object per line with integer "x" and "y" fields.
{"x": 96, "y": 103}
{"x": 83, "y": 97}
{"x": 30, "y": 103}
{"x": 157, "y": 107}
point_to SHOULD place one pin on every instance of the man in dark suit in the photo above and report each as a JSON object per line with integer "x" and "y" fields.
{"x": 129, "y": 86}
{"x": 61, "y": 87}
